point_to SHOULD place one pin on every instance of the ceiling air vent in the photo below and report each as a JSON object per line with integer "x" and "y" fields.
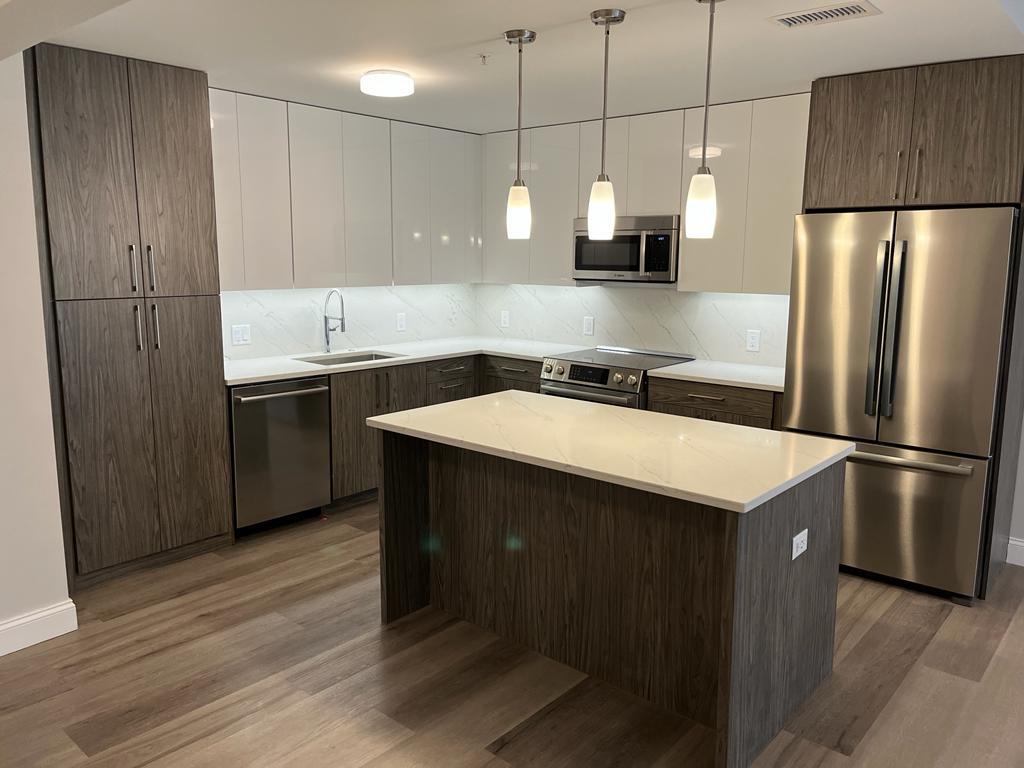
{"x": 826, "y": 14}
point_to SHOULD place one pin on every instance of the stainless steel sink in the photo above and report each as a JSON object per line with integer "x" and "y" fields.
{"x": 349, "y": 357}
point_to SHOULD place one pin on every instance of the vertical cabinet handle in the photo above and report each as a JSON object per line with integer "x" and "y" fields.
{"x": 917, "y": 173}
{"x": 156, "y": 326}
{"x": 152, "y": 268}
{"x": 896, "y": 179}
{"x": 138, "y": 328}
{"x": 134, "y": 267}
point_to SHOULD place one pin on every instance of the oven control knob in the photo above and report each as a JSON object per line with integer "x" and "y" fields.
{"x": 617, "y": 378}
{"x": 547, "y": 367}
{"x": 560, "y": 370}
{"x": 632, "y": 380}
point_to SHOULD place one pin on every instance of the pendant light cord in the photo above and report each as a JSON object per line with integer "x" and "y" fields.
{"x": 604, "y": 103}
{"x": 707, "y": 92}
{"x": 519, "y": 121}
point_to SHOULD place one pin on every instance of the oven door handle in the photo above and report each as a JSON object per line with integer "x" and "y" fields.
{"x": 594, "y": 397}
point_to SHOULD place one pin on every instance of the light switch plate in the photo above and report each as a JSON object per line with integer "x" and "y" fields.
{"x": 753, "y": 340}
{"x": 241, "y": 335}
{"x": 588, "y": 325}
{"x": 505, "y": 322}
{"x": 400, "y": 321}
{"x": 799, "y": 544}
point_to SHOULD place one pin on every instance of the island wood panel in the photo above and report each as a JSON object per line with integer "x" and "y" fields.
{"x": 638, "y": 589}
{"x": 714, "y": 402}
{"x": 111, "y": 454}
{"x": 86, "y": 138}
{"x": 968, "y": 142}
{"x": 189, "y": 418}
{"x": 858, "y": 140}
{"x": 174, "y": 168}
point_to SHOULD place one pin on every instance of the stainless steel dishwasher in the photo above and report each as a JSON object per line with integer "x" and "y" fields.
{"x": 281, "y": 440}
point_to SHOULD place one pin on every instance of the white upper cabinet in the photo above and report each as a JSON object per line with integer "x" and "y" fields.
{"x": 473, "y": 173}
{"x": 616, "y": 162}
{"x": 504, "y": 260}
{"x": 227, "y": 189}
{"x": 318, "y": 200}
{"x": 778, "y": 146}
{"x": 265, "y": 197}
{"x": 554, "y": 169}
{"x": 450, "y": 189}
{"x": 655, "y": 164}
{"x": 410, "y": 199}
{"x": 717, "y": 264}
{"x": 366, "y": 144}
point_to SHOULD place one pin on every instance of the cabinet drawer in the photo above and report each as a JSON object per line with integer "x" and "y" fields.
{"x": 512, "y": 368}
{"x": 752, "y": 404}
{"x": 450, "y": 368}
{"x": 451, "y": 389}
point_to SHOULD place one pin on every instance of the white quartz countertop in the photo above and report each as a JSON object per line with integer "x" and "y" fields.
{"x": 766, "y": 377}
{"x": 262, "y": 369}
{"x": 728, "y": 466}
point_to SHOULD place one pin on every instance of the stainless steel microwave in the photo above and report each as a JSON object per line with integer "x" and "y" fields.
{"x": 643, "y": 249}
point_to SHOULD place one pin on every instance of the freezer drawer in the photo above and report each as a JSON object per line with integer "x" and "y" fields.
{"x": 915, "y": 516}
{"x": 281, "y": 439}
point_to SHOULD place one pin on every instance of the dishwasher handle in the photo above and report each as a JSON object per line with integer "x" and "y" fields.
{"x": 276, "y": 395}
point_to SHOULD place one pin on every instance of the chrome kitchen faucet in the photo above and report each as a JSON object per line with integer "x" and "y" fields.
{"x": 329, "y": 319}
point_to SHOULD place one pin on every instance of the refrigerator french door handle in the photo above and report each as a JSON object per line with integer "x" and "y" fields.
{"x": 875, "y": 335}
{"x": 892, "y": 328}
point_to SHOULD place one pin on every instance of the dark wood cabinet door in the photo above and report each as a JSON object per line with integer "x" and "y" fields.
{"x": 190, "y": 420}
{"x": 174, "y": 169}
{"x": 86, "y": 132}
{"x": 108, "y": 418}
{"x": 711, "y": 415}
{"x": 712, "y": 402}
{"x": 858, "y": 140}
{"x": 968, "y": 144}
{"x": 354, "y": 446}
{"x": 405, "y": 387}
{"x": 492, "y": 384}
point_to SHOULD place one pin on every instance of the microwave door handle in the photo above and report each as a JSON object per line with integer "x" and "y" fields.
{"x": 643, "y": 254}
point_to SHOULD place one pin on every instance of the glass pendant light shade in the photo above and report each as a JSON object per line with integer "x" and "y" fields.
{"x": 518, "y": 217}
{"x": 701, "y": 206}
{"x": 601, "y": 211}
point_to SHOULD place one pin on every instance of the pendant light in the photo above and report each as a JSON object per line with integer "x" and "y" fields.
{"x": 601, "y": 210}
{"x": 518, "y": 217}
{"x": 702, "y": 199}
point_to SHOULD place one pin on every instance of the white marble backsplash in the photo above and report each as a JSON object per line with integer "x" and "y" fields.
{"x": 712, "y": 326}
{"x": 290, "y": 322}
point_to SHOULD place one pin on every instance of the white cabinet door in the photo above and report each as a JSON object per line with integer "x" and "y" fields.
{"x": 554, "y": 169}
{"x": 616, "y": 162}
{"x": 448, "y": 195}
{"x": 655, "y": 164}
{"x": 778, "y": 146}
{"x": 717, "y": 264}
{"x": 366, "y": 144}
{"x": 227, "y": 180}
{"x": 410, "y": 199}
{"x": 318, "y": 201}
{"x": 473, "y": 174}
{"x": 266, "y": 204}
{"x": 505, "y": 261}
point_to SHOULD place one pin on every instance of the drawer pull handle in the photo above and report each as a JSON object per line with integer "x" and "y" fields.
{"x": 452, "y": 370}
{"x": 450, "y": 386}
{"x": 714, "y": 398}
{"x": 513, "y": 370}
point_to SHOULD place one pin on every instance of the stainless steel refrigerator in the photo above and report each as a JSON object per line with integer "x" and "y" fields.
{"x": 898, "y": 340}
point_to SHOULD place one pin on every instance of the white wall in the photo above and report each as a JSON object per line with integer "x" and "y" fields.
{"x": 34, "y": 603}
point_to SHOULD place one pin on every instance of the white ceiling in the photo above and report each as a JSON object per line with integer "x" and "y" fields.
{"x": 314, "y": 50}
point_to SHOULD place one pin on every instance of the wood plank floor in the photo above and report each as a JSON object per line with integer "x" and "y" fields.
{"x": 271, "y": 653}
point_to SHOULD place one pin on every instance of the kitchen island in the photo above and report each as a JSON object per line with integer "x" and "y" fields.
{"x": 652, "y": 551}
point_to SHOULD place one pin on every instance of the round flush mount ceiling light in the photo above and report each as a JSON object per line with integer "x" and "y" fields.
{"x": 388, "y": 83}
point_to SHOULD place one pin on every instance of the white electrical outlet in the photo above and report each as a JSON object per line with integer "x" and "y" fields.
{"x": 799, "y": 544}
{"x": 588, "y": 325}
{"x": 241, "y": 335}
{"x": 753, "y": 340}
{"x": 400, "y": 321}
{"x": 505, "y": 321}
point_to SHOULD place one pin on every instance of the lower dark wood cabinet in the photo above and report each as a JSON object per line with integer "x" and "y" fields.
{"x": 492, "y": 384}
{"x": 713, "y": 402}
{"x": 146, "y": 425}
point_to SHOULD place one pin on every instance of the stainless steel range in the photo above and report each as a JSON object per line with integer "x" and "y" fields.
{"x": 610, "y": 375}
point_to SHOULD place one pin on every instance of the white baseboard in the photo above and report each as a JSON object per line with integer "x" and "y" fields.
{"x": 37, "y": 626}
{"x": 1015, "y": 554}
